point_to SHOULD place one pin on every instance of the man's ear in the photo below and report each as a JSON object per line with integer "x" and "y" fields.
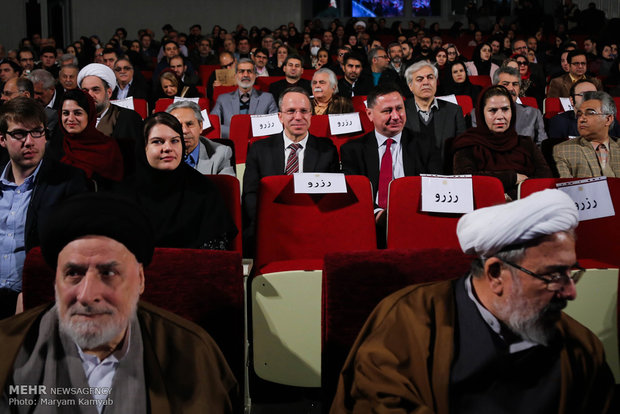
{"x": 493, "y": 275}
{"x": 141, "y": 275}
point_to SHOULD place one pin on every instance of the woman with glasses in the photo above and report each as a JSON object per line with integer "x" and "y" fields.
{"x": 494, "y": 148}
{"x": 531, "y": 84}
{"x": 453, "y": 53}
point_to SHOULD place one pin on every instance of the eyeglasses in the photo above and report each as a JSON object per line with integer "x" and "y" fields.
{"x": 228, "y": 65}
{"x": 588, "y": 113}
{"x": 555, "y": 281}
{"x": 451, "y": 53}
{"x": 21, "y": 134}
{"x": 382, "y": 57}
{"x": 521, "y": 63}
{"x": 123, "y": 68}
{"x": 292, "y": 112}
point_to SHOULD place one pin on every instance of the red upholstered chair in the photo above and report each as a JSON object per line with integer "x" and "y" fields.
{"x": 263, "y": 82}
{"x": 230, "y": 190}
{"x": 358, "y": 103}
{"x": 296, "y": 230}
{"x": 202, "y": 90}
{"x": 204, "y": 286}
{"x": 465, "y": 103}
{"x": 596, "y": 239}
{"x": 482, "y": 80}
{"x": 241, "y": 133}
{"x": 215, "y": 130}
{"x": 162, "y": 104}
{"x": 205, "y": 71}
{"x": 529, "y": 101}
{"x": 410, "y": 228}
{"x": 552, "y": 107}
{"x": 141, "y": 107}
{"x": 308, "y": 74}
{"x": 355, "y": 282}
{"x": 617, "y": 102}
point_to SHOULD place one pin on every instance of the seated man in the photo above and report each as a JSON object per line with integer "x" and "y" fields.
{"x": 354, "y": 82}
{"x": 245, "y": 100}
{"x": 560, "y": 86}
{"x": 203, "y": 154}
{"x": 29, "y": 185}
{"x": 98, "y": 336}
{"x": 493, "y": 341}
{"x": 128, "y": 82}
{"x": 67, "y": 77}
{"x": 594, "y": 153}
{"x": 294, "y": 150}
{"x": 326, "y": 99}
{"x": 293, "y": 69}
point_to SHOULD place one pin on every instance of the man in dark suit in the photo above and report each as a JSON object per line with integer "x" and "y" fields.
{"x": 294, "y": 150}
{"x": 128, "y": 82}
{"x": 578, "y": 64}
{"x": 293, "y": 69}
{"x": 245, "y": 100}
{"x": 425, "y": 113}
{"x": 353, "y": 83}
{"x": 390, "y": 151}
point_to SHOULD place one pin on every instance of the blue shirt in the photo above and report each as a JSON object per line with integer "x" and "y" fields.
{"x": 14, "y": 201}
{"x": 375, "y": 78}
{"x": 192, "y": 157}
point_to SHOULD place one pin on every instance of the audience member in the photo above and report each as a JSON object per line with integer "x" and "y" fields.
{"x": 326, "y": 99}
{"x": 560, "y": 86}
{"x": 354, "y": 82}
{"x": 293, "y": 70}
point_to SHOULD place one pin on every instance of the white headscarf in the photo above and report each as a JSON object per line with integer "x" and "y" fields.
{"x": 99, "y": 70}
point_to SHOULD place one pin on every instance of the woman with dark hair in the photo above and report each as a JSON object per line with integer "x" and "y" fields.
{"x": 494, "y": 148}
{"x": 185, "y": 208}
{"x": 481, "y": 62}
{"x": 171, "y": 85}
{"x": 82, "y": 145}
{"x": 531, "y": 85}
{"x": 322, "y": 58}
{"x": 441, "y": 62}
{"x": 457, "y": 83}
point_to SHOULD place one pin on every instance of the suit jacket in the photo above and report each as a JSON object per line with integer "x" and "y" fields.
{"x": 227, "y": 105}
{"x": 137, "y": 89}
{"x": 390, "y": 76}
{"x": 577, "y": 158}
{"x": 530, "y": 123}
{"x": 560, "y": 86}
{"x": 266, "y": 158}
{"x": 278, "y": 87}
{"x": 361, "y": 157}
{"x": 121, "y": 123}
{"x": 448, "y": 122}
{"x": 214, "y": 158}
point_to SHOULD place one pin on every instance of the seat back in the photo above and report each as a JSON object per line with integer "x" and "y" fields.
{"x": 141, "y": 107}
{"x": 552, "y": 107}
{"x": 410, "y": 228}
{"x": 482, "y": 80}
{"x": 529, "y": 101}
{"x": 205, "y": 71}
{"x": 307, "y": 226}
{"x": 163, "y": 103}
{"x": 358, "y": 103}
{"x": 263, "y": 82}
{"x": 319, "y": 127}
{"x": 207, "y": 287}
{"x": 308, "y": 74}
{"x": 215, "y": 130}
{"x": 596, "y": 239}
{"x": 229, "y": 188}
{"x": 465, "y": 103}
{"x": 355, "y": 282}
{"x": 241, "y": 133}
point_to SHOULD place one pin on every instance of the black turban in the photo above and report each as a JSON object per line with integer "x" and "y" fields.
{"x": 101, "y": 214}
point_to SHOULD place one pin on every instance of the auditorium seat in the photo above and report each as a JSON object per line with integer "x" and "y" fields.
{"x": 466, "y": 104}
{"x": 552, "y": 107}
{"x": 263, "y": 82}
{"x": 219, "y": 90}
{"x": 163, "y": 103}
{"x": 529, "y": 101}
{"x": 482, "y": 80}
{"x": 205, "y": 71}
{"x": 229, "y": 188}
{"x": 241, "y": 133}
{"x": 141, "y": 107}
{"x": 215, "y": 130}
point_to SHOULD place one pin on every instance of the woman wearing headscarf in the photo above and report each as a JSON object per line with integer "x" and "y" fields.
{"x": 481, "y": 64}
{"x": 185, "y": 208}
{"x": 494, "y": 148}
{"x": 457, "y": 83}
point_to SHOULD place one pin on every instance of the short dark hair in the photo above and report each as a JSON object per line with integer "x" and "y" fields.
{"x": 296, "y": 89}
{"x": 580, "y": 81}
{"x": 168, "y": 41}
{"x": 195, "y": 25}
{"x": 25, "y": 85}
{"x": 48, "y": 49}
{"x": 123, "y": 31}
{"x": 354, "y": 56}
{"x": 109, "y": 50}
{"x": 23, "y": 50}
{"x": 13, "y": 65}
{"x": 23, "y": 110}
{"x": 289, "y": 57}
{"x": 380, "y": 90}
{"x": 573, "y": 53}
{"x": 261, "y": 50}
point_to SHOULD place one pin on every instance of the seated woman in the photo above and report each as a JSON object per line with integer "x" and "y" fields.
{"x": 494, "y": 148}
{"x": 171, "y": 86}
{"x": 458, "y": 83}
{"x": 481, "y": 64}
{"x": 185, "y": 208}
{"x": 441, "y": 63}
{"x": 326, "y": 99}
{"x": 531, "y": 85}
{"x": 82, "y": 145}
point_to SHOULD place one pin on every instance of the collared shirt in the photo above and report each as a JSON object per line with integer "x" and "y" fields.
{"x": 192, "y": 157}
{"x": 100, "y": 374}
{"x": 398, "y": 169}
{"x": 123, "y": 92}
{"x": 262, "y": 72}
{"x": 14, "y": 201}
{"x": 574, "y": 79}
{"x": 493, "y": 322}
{"x": 300, "y": 152}
{"x": 102, "y": 115}
{"x": 427, "y": 115}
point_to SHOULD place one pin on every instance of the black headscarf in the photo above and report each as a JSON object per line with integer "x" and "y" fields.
{"x": 449, "y": 86}
{"x": 483, "y": 66}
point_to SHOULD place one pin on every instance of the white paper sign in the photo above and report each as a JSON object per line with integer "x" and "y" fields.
{"x": 206, "y": 122}
{"x": 449, "y": 98}
{"x": 344, "y": 123}
{"x": 319, "y": 183}
{"x": 566, "y": 104}
{"x": 180, "y": 98}
{"x": 447, "y": 193}
{"x": 591, "y": 196}
{"x": 124, "y": 103}
{"x": 266, "y": 125}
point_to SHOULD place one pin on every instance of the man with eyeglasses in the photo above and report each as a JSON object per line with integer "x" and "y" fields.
{"x": 29, "y": 185}
{"x": 25, "y": 57}
{"x": 128, "y": 83}
{"x": 260, "y": 58}
{"x": 382, "y": 73}
{"x": 559, "y": 87}
{"x": 594, "y": 153}
{"x": 291, "y": 151}
{"x": 493, "y": 341}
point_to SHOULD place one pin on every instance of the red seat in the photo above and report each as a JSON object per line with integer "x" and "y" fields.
{"x": 141, "y": 107}
{"x": 201, "y": 90}
{"x": 230, "y": 190}
{"x": 482, "y": 80}
{"x": 308, "y": 74}
{"x": 617, "y": 101}
{"x": 358, "y": 103}
{"x": 162, "y": 104}
{"x": 295, "y": 231}
{"x": 205, "y": 71}
{"x": 529, "y": 101}
{"x": 410, "y": 228}
{"x": 263, "y": 82}
{"x": 552, "y": 107}
{"x": 241, "y": 133}
{"x": 596, "y": 239}
{"x": 215, "y": 130}
{"x": 148, "y": 74}
{"x": 465, "y": 103}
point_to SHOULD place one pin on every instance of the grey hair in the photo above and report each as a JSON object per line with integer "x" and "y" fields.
{"x": 68, "y": 57}
{"x": 333, "y": 80}
{"x": 372, "y": 53}
{"x": 416, "y": 67}
{"x": 186, "y": 104}
{"x": 507, "y": 70}
{"x": 608, "y": 106}
{"x": 246, "y": 60}
{"x": 43, "y": 77}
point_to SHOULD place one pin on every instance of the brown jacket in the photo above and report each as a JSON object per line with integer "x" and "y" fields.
{"x": 576, "y": 158}
{"x": 560, "y": 87}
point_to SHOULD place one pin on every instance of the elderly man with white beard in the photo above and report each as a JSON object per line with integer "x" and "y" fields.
{"x": 493, "y": 341}
{"x": 245, "y": 99}
{"x": 325, "y": 99}
{"x": 98, "y": 348}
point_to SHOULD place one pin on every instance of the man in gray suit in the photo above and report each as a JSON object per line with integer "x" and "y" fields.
{"x": 244, "y": 100}
{"x": 427, "y": 114}
{"x": 203, "y": 154}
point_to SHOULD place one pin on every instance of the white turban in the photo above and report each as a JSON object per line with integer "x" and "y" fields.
{"x": 486, "y": 231}
{"x": 99, "y": 70}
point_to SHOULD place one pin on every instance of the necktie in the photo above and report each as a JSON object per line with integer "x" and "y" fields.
{"x": 602, "y": 154}
{"x": 385, "y": 174}
{"x": 292, "y": 162}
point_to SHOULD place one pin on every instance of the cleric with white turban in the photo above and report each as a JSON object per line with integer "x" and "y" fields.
{"x": 486, "y": 231}
{"x": 99, "y": 70}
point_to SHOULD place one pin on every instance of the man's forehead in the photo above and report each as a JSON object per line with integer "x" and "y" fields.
{"x": 94, "y": 245}
{"x": 505, "y": 77}
{"x": 91, "y": 82}
{"x": 585, "y": 87}
{"x": 295, "y": 99}
{"x": 389, "y": 100}
{"x": 32, "y": 124}
{"x": 591, "y": 104}
{"x": 293, "y": 62}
